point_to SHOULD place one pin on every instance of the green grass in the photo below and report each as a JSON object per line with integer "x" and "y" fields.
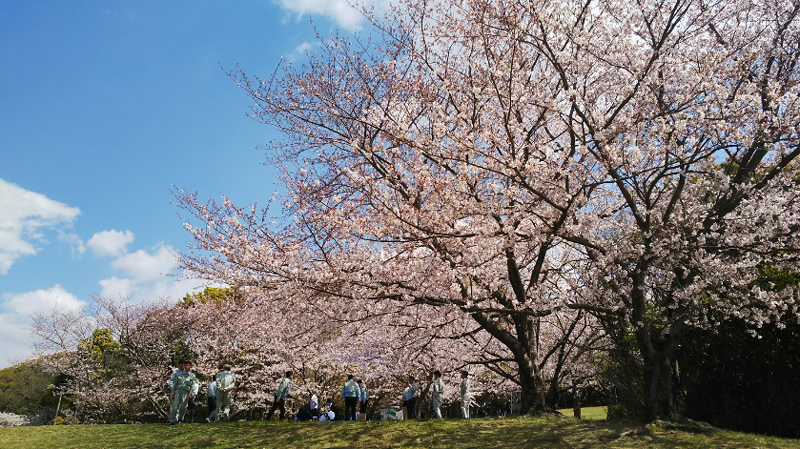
{"x": 592, "y": 413}
{"x": 520, "y": 432}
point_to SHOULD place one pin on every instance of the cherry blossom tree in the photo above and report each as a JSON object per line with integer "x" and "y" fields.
{"x": 114, "y": 356}
{"x": 506, "y": 161}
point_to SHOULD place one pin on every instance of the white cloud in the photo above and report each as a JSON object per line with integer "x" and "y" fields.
{"x": 24, "y": 215}
{"x": 143, "y": 266}
{"x": 42, "y": 301}
{"x": 110, "y": 243}
{"x": 15, "y": 312}
{"x": 15, "y": 342}
{"x": 299, "y": 52}
{"x": 115, "y": 287}
{"x": 149, "y": 275}
{"x": 303, "y": 48}
{"x": 339, "y": 10}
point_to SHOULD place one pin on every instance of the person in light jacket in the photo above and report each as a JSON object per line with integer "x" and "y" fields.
{"x": 226, "y": 383}
{"x": 465, "y": 396}
{"x": 410, "y": 395}
{"x": 350, "y": 392}
{"x": 182, "y": 386}
{"x": 211, "y": 397}
{"x": 280, "y": 396}
{"x": 363, "y": 397}
{"x": 438, "y": 392}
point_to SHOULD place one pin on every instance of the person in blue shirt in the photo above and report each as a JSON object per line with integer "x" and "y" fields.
{"x": 363, "y": 397}
{"x": 351, "y": 393}
{"x": 280, "y": 396}
{"x": 410, "y": 395}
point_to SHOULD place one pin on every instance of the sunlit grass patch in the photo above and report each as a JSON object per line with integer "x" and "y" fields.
{"x": 516, "y": 432}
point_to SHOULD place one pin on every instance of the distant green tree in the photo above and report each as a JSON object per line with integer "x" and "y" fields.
{"x": 23, "y": 387}
{"x": 105, "y": 351}
{"x": 212, "y": 294}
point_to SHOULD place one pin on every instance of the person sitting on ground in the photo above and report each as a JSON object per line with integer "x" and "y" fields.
{"x": 304, "y": 414}
{"x": 314, "y": 405}
{"x": 334, "y": 411}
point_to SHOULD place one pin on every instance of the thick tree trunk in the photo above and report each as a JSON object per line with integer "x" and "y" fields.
{"x": 552, "y": 393}
{"x": 523, "y": 346}
{"x": 657, "y": 345}
{"x": 658, "y": 352}
{"x": 532, "y": 386}
{"x": 658, "y": 379}
{"x": 532, "y": 398}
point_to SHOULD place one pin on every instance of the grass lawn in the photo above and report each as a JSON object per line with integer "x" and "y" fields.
{"x": 593, "y": 413}
{"x": 518, "y": 432}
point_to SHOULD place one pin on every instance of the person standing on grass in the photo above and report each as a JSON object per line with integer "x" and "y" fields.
{"x": 410, "y": 395}
{"x": 190, "y": 408}
{"x": 363, "y": 397}
{"x": 438, "y": 392}
{"x": 465, "y": 395}
{"x": 280, "y": 396}
{"x": 182, "y": 386}
{"x": 211, "y": 397}
{"x": 226, "y": 383}
{"x": 350, "y": 393}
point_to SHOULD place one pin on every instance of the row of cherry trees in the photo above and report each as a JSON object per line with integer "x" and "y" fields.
{"x": 472, "y": 168}
{"x": 114, "y": 360}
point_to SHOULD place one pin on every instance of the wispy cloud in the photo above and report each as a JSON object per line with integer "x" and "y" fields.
{"x": 340, "y": 11}
{"x": 24, "y": 219}
{"x": 300, "y": 52}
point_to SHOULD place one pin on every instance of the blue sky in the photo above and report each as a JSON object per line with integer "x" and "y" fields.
{"x": 104, "y": 106}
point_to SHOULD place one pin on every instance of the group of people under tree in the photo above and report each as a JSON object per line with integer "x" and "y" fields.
{"x": 184, "y": 386}
{"x": 411, "y": 395}
{"x": 354, "y": 393}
